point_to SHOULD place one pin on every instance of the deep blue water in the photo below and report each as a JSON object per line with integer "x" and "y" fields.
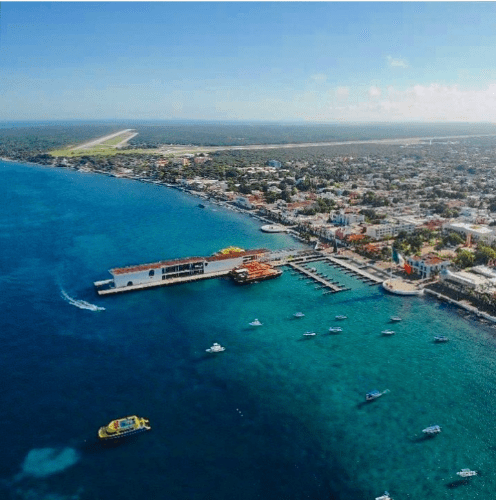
{"x": 275, "y": 416}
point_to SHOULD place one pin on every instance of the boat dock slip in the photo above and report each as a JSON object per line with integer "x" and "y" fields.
{"x": 372, "y": 279}
{"x": 314, "y": 276}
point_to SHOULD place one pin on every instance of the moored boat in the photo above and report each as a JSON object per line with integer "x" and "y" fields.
{"x": 216, "y": 348}
{"x": 386, "y": 496}
{"x": 467, "y": 473}
{"x": 432, "y": 429}
{"x": 298, "y": 315}
{"x": 335, "y": 329}
{"x": 123, "y": 427}
{"x": 255, "y": 322}
{"x": 309, "y": 334}
{"x": 395, "y": 319}
{"x": 370, "y": 396}
{"x": 388, "y": 332}
{"x": 340, "y": 316}
{"x": 440, "y": 338}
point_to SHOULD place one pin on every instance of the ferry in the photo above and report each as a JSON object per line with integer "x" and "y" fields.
{"x": 467, "y": 473}
{"x": 123, "y": 427}
{"x": 254, "y": 272}
{"x": 216, "y": 348}
{"x": 433, "y": 429}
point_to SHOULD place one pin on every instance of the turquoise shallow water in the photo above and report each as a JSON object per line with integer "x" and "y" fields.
{"x": 276, "y": 416}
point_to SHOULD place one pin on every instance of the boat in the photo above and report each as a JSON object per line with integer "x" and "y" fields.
{"x": 335, "y": 329}
{"x": 467, "y": 473}
{"x": 123, "y": 427}
{"x": 340, "y": 316}
{"x": 388, "y": 332}
{"x": 395, "y": 319}
{"x": 309, "y": 334}
{"x": 255, "y": 322}
{"x": 254, "y": 272}
{"x": 216, "y": 348}
{"x": 384, "y": 497}
{"x": 298, "y": 315}
{"x": 370, "y": 396}
{"x": 273, "y": 228}
{"x": 201, "y": 205}
{"x": 433, "y": 429}
{"x": 313, "y": 269}
{"x": 440, "y": 338}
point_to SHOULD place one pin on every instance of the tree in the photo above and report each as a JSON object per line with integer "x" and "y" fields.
{"x": 464, "y": 258}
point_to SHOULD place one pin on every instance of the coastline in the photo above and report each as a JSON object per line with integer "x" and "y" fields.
{"x": 352, "y": 261}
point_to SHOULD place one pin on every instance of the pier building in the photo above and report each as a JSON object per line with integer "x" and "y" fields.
{"x": 175, "y": 271}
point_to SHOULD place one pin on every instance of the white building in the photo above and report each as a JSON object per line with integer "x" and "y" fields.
{"x": 477, "y": 232}
{"x": 427, "y": 265}
{"x": 346, "y": 219}
{"x": 381, "y": 231}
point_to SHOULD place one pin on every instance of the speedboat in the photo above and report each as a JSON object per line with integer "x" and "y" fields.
{"x": 370, "y": 396}
{"x": 309, "y": 334}
{"x": 255, "y": 322}
{"x": 340, "y": 316}
{"x": 395, "y": 319}
{"x": 467, "y": 473}
{"x": 335, "y": 329}
{"x": 298, "y": 315}
{"x": 216, "y": 348}
{"x": 384, "y": 497}
{"x": 440, "y": 338}
{"x": 388, "y": 332}
{"x": 123, "y": 427}
{"x": 433, "y": 429}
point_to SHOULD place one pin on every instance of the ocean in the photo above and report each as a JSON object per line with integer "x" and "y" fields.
{"x": 276, "y": 416}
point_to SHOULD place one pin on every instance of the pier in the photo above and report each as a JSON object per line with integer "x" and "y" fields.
{"x": 332, "y": 286}
{"x": 365, "y": 276}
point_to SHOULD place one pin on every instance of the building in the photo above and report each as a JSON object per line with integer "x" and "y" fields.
{"x": 381, "y": 231}
{"x": 475, "y": 232}
{"x": 427, "y": 265}
{"x": 159, "y": 273}
{"x": 345, "y": 218}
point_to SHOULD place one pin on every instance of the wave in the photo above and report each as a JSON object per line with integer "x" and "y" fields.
{"x": 82, "y": 304}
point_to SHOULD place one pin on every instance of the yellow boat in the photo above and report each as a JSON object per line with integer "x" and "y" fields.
{"x": 123, "y": 427}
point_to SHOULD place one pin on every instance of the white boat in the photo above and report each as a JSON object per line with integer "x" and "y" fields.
{"x": 335, "y": 329}
{"x": 309, "y": 334}
{"x": 216, "y": 348}
{"x": 467, "y": 473}
{"x": 255, "y": 322}
{"x": 340, "y": 316}
{"x": 440, "y": 338}
{"x": 433, "y": 429}
{"x": 313, "y": 269}
{"x": 384, "y": 497}
{"x": 395, "y": 319}
{"x": 370, "y": 396}
{"x": 298, "y": 315}
{"x": 388, "y": 332}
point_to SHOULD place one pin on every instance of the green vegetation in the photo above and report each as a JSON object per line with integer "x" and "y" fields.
{"x": 100, "y": 150}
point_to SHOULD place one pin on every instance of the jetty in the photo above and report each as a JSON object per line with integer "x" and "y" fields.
{"x": 358, "y": 271}
{"x": 317, "y": 278}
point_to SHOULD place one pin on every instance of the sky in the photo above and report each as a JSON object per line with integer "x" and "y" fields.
{"x": 250, "y": 61}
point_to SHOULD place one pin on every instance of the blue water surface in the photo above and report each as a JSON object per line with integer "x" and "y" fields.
{"x": 275, "y": 416}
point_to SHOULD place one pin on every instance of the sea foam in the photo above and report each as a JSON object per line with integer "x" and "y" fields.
{"x": 82, "y": 304}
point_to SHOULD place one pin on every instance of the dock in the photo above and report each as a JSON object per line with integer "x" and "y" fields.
{"x": 155, "y": 284}
{"x": 330, "y": 285}
{"x": 365, "y": 276}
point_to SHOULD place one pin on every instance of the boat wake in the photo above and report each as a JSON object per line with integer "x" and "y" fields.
{"x": 82, "y": 304}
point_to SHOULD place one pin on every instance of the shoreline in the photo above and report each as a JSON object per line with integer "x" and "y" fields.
{"x": 229, "y": 206}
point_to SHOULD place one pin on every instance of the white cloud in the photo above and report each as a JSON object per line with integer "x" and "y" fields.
{"x": 397, "y": 63}
{"x": 342, "y": 93}
{"x": 374, "y": 92}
